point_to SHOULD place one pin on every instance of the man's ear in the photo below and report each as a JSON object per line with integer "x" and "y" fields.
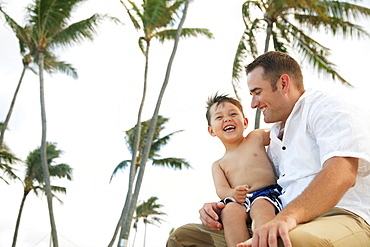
{"x": 210, "y": 131}
{"x": 285, "y": 82}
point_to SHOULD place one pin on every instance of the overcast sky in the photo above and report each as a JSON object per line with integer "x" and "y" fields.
{"x": 87, "y": 119}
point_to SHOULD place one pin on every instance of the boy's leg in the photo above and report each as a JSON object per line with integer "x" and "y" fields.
{"x": 336, "y": 228}
{"x": 191, "y": 235}
{"x": 262, "y": 211}
{"x": 234, "y": 220}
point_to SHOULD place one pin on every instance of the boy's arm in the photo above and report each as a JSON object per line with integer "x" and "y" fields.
{"x": 223, "y": 188}
{"x": 263, "y": 134}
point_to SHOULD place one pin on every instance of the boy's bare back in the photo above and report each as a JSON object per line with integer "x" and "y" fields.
{"x": 246, "y": 164}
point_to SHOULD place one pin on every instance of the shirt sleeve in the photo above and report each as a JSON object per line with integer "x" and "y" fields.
{"x": 340, "y": 130}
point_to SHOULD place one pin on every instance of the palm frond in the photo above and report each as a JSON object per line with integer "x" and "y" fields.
{"x": 155, "y": 15}
{"x": 185, "y": 33}
{"x": 313, "y": 51}
{"x": 50, "y": 17}
{"x": 174, "y": 163}
{"x": 137, "y": 12}
{"x": 345, "y": 10}
{"x": 247, "y": 10}
{"x": 334, "y": 25}
{"x": 21, "y": 33}
{"x": 142, "y": 44}
{"x": 120, "y": 166}
{"x": 279, "y": 45}
{"x": 158, "y": 143}
{"x": 8, "y": 171}
{"x": 247, "y": 47}
{"x": 77, "y": 32}
{"x": 59, "y": 189}
{"x": 34, "y": 175}
{"x": 61, "y": 171}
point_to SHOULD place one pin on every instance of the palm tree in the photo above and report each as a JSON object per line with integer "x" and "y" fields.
{"x": 29, "y": 57}
{"x": 148, "y": 211}
{"x": 154, "y": 19}
{"x": 288, "y": 24}
{"x": 158, "y": 143}
{"x": 7, "y": 160}
{"x": 33, "y": 180}
{"x": 47, "y": 29}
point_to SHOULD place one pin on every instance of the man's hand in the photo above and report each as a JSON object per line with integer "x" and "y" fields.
{"x": 267, "y": 234}
{"x": 209, "y": 215}
{"x": 240, "y": 193}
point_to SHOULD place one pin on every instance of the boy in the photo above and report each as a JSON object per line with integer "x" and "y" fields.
{"x": 244, "y": 177}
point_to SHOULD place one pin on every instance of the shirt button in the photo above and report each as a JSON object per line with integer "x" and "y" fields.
{"x": 283, "y": 148}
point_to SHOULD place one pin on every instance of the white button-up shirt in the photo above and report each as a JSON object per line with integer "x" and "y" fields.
{"x": 322, "y": 126}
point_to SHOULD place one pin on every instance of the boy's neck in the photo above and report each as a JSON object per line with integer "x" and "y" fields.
{"x": 229, "y": 146}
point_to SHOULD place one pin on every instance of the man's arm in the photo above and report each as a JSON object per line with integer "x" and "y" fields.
{"x": 325, "y": 191}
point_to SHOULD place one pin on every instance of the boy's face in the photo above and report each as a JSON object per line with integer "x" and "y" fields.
{"x": 227, "y": 121}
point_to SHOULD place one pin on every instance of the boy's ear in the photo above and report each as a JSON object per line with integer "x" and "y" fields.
{"x": 245, "y": 122}
{"x": 210, "y": 131}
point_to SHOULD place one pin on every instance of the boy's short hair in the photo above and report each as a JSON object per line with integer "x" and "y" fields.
{"x": 219, "y": 99}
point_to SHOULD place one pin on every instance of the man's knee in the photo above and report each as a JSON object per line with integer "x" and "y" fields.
{"x": 195, "y": 235}
{"x": 301, "y": 238}
{"x": 336, "y": 228}
{"x": 173, "y": 238}
{"x": 182, "y": 236}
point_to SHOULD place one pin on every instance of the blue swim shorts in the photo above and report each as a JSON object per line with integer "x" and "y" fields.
{"x": 270, "y": 193}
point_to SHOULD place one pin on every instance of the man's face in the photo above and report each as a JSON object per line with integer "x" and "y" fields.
{"x": 273, "y": 104}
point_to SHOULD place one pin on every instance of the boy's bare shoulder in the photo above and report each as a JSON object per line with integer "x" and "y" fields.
{"x": 216, "y": 163}
{"x": 261, "y": 134}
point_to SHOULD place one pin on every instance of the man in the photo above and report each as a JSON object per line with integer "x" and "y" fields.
{"x": 320, "y": 149}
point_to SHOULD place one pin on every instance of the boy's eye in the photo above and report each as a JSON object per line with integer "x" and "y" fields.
{"x": 218, "y": 117}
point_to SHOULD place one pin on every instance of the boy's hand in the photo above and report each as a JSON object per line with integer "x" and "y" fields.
{"x": 240, "y": 193}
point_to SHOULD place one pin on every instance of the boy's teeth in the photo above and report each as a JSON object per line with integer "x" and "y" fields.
{"x": 229, "y": 128}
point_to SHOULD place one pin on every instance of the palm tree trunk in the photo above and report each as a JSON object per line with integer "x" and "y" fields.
{"x": 133, "y": 242}
{"x": 19, "y": 218}
{"x": 145, "y": 225}
{"x": 126, "y": 224}
{"x": 267, "y": 43}
{"x": 44, "y": 163}
{"x": 119, "y": 224}
{"x": 153, "y": 123}
{"x": 5, "y": 124}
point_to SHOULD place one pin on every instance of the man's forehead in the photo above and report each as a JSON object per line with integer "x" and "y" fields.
{"x": 255, "y": 78}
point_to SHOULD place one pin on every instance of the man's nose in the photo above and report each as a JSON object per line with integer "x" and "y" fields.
{"x": 254, "y": 102}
